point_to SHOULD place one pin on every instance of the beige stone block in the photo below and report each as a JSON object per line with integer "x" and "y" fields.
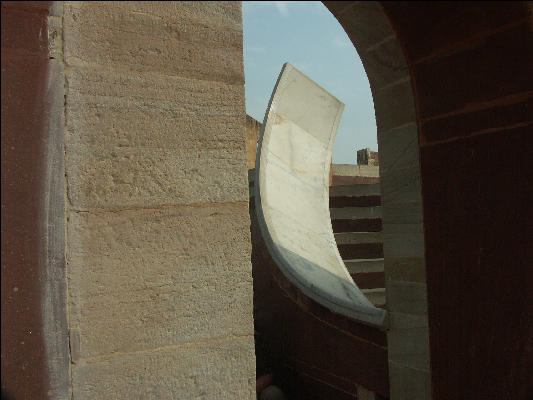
{"x": 113, "y": 109}
{"x": 141, "y": 139}
{"x": 409, "y": 383}
{"x": 409, "y": 347}
{"x": 402, "y": 217}
{"x": 407, "y": 321}
{"x": 406, "y": 297}
{"x": 395, "y": 107}
{"x": 403, "y": 245}
{"x": 101, "y": 177}
{"x": 143, "y": 279}
{"x": 213, "y": 370}
{"x": 401, "y": 186}
{"x": 365, "y": 23}
{"x": 170, "y": 42}
{"x": 408, "y": 269}
{"x": 221, "y": 14}
{"x": 398, "y": 149}
{"x": 385, "y": 63}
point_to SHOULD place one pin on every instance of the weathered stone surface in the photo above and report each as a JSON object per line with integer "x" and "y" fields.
{"x": 367, "y": 157}
{"x": 146, "y": 177}
{"x": 207, "y": 47}
{"x": 142, "y": 279}
{"x": 398, "y": 216}
{"x": 141, "y": 139}
{"x": 395, "y": 107}
{"x": 220, "y": 14}
{"x": 253, "y": 129}
{"x": 401, "y": 244}
{"x": 55, "y": 37}
{"x": 409, "y": 347}
{"x": 354, "y": 170}
{"x": 407, "y": 297}
{"x": 399, "y": 149}
{"x": 210, "y": 370}
{"x": 401, "y": 186}
{"x": 385, "y": 64}
{"x": 409, "y": 383}
{"x": 365, "y": 24}
{"x": 407, "y": 321}
{"x": 408, "y": 269}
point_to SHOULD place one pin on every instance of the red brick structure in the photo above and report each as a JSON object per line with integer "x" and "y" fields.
{"x": 456, "y": 76}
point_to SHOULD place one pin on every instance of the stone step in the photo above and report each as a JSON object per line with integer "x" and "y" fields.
{"x": 361, "y": 189}
{"x": 361, "y": 250}
{"x": 369, "y": 280}
{"x": 364, "y": 265}
{"x": 355, "y": 213}
{"x": 376, "y": 296}
{"x": 349, "y": 201}
{"x": 358, "y": 237}
{"x": 356, "y": 225}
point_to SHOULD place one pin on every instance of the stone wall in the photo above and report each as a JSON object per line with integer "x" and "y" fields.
{"x": 349, "y": 174}
{"x": 158, "y": 245}
{"x": 367, "y": 157}
{"x": 253, "y": 129}
{"x": 374, "y": 37}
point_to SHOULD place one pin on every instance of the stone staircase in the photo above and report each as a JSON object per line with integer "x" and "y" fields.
{"x": 356, "y": 220}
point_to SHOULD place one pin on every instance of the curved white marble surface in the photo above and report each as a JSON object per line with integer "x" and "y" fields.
{"x": 292, "y": 199}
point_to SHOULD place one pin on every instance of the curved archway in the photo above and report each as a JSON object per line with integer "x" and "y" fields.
{"x": 370, "y": 31}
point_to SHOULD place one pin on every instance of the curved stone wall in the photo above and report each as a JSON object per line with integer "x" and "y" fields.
{"x": 292, "y": 201}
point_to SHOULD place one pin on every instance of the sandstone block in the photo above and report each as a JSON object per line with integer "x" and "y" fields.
{"x": 109, "y": 108}
{"x": 399, "y": 149}
{"x": 409, "y": 383}
{"x": 408, "y": 269}
{"x": 394, "y": 106}
{"x": 404, "y": 245}
{"x": 385, "y": 63}
{"x": 409, "y": 347}
{"x": 407, "y": 297}
{"x": 170, "y": 43}
{"x": 147, "y": 177}
{"x": 365, "y": 24}
{"x": 142, "y": 279}
{"x": 401, "y": 186}
{"x": 141, "y": 139}
{"x": 219, "y": 371}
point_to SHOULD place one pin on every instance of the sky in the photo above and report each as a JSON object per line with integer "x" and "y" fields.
{"x": 307, "y": 35}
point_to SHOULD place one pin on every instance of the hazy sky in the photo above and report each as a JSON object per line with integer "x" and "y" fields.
{"x": 310, "y": 38}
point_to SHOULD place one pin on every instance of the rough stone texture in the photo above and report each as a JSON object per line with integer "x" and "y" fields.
{"x": 160, "y": 285}
{"x": 155, "y": 275}
{"x": 367, "y": 157}
{"x": 217, "y": 370}
{"x": 253, "y": 129}
{"x": 152, "y": 139}
{"x": 164, "y": 38}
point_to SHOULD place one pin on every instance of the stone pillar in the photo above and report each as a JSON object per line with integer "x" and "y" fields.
{"x": 158, "y": 246}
